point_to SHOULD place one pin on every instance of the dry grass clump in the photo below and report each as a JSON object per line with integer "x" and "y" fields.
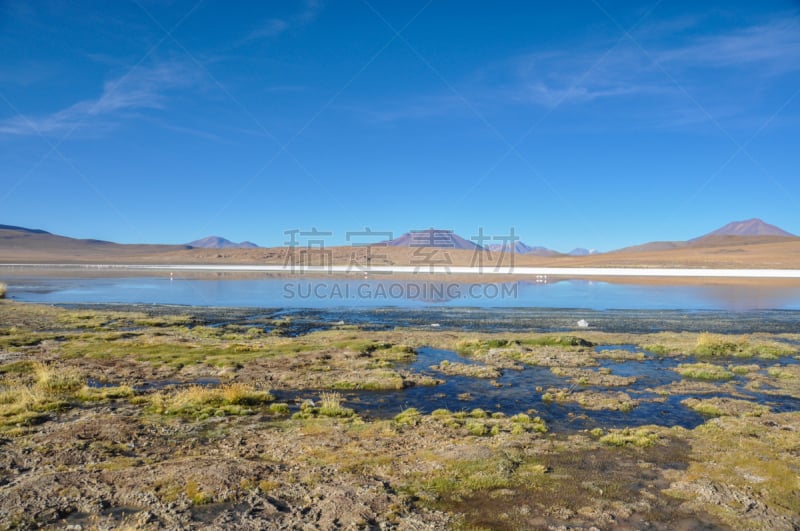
{"x": 55, "y": 380}
{"x": 96, "y": 394}
{"x": 330, "y": 405}
{"x": 23, "y": 405}
{"x": 202, "y": 402}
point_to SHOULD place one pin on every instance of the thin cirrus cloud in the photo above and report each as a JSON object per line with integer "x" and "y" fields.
{"x": 140, "y": 89}
{"x": 640, "y": 67}
{"x": 271, "y": 28}
{"x": 774, "y": 47}
{"x": 274, "y": 27}
{"x": 661, "y": 63}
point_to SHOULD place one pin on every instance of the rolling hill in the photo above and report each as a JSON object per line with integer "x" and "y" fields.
{"x": 19, "y": 244}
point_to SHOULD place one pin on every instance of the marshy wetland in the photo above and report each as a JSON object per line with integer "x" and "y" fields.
{"x": 142, "y": 416}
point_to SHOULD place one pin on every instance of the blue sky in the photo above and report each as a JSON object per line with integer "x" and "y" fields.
{"x": 582, "y": 123}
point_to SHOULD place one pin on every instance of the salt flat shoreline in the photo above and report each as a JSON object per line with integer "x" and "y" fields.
{"x": 517, "y": 271}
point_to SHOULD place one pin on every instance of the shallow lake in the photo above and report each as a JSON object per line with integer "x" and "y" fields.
{"x": 301, "y": 292}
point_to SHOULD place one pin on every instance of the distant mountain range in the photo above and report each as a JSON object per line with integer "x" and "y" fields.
{"x": 14, "y": 239}
{"x": 217, "y": 242}
{"x": 446, "y": 238}
{"x": 522, "y": 248}
{"x": 580, "y": 251}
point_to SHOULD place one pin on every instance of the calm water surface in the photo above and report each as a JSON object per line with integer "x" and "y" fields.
{"x": 336, "y": 293}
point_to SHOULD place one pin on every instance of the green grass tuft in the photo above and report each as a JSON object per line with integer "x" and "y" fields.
{"x": 408, "y": 417}
{"x": 476, "y": 427}
{"x": 330, "y": 405}
{"x": 704, "y": 371}
{"x": 639, "y": 437}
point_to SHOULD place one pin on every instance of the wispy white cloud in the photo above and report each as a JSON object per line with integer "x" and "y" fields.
{"x": 140, "y": 89}
{"x": 421, "y": 108}
{"x": 635, "y": 68}
{"x": 568, "y": 77}
{"x": 772, "y": 47}
{"x": 273, "y": 27}
{"x": 270, "y": 28}
{"x": 658, "y": 64}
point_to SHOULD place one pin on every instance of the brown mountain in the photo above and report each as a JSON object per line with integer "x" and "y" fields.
{"x": 217, "y": 242}
{"x": 432, "y": 238}
{"x": 749, "y": 227}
